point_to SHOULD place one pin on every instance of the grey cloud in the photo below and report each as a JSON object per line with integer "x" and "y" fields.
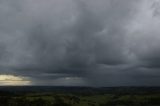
{"x": 81, "y": 42}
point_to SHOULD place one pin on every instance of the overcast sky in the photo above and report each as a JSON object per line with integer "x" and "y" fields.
{"x": 81, "y": 42}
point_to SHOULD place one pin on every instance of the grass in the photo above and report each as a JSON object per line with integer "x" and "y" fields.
{"x": 119, "y": 97}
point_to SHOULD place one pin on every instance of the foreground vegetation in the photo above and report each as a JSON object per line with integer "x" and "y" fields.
{"x": 118, "y": 97}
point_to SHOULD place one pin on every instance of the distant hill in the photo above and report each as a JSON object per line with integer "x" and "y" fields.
{"x": 81, "y": 90}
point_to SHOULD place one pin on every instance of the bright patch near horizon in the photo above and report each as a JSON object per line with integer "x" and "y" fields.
{"x": 12, "y": 80}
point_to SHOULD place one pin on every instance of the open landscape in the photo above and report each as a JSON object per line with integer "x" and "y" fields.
{"x": 79, "y": 96}
{"x": 79, "y": 52}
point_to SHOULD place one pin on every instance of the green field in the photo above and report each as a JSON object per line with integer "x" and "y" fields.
{"x": 79, "y": 96}
{"x": 50, "y": 99}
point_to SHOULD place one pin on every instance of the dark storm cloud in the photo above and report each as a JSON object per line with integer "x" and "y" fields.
{"x": 80, "y": 42}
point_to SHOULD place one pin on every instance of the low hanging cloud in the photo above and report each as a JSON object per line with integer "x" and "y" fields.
{"x": 81, "y": 42}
